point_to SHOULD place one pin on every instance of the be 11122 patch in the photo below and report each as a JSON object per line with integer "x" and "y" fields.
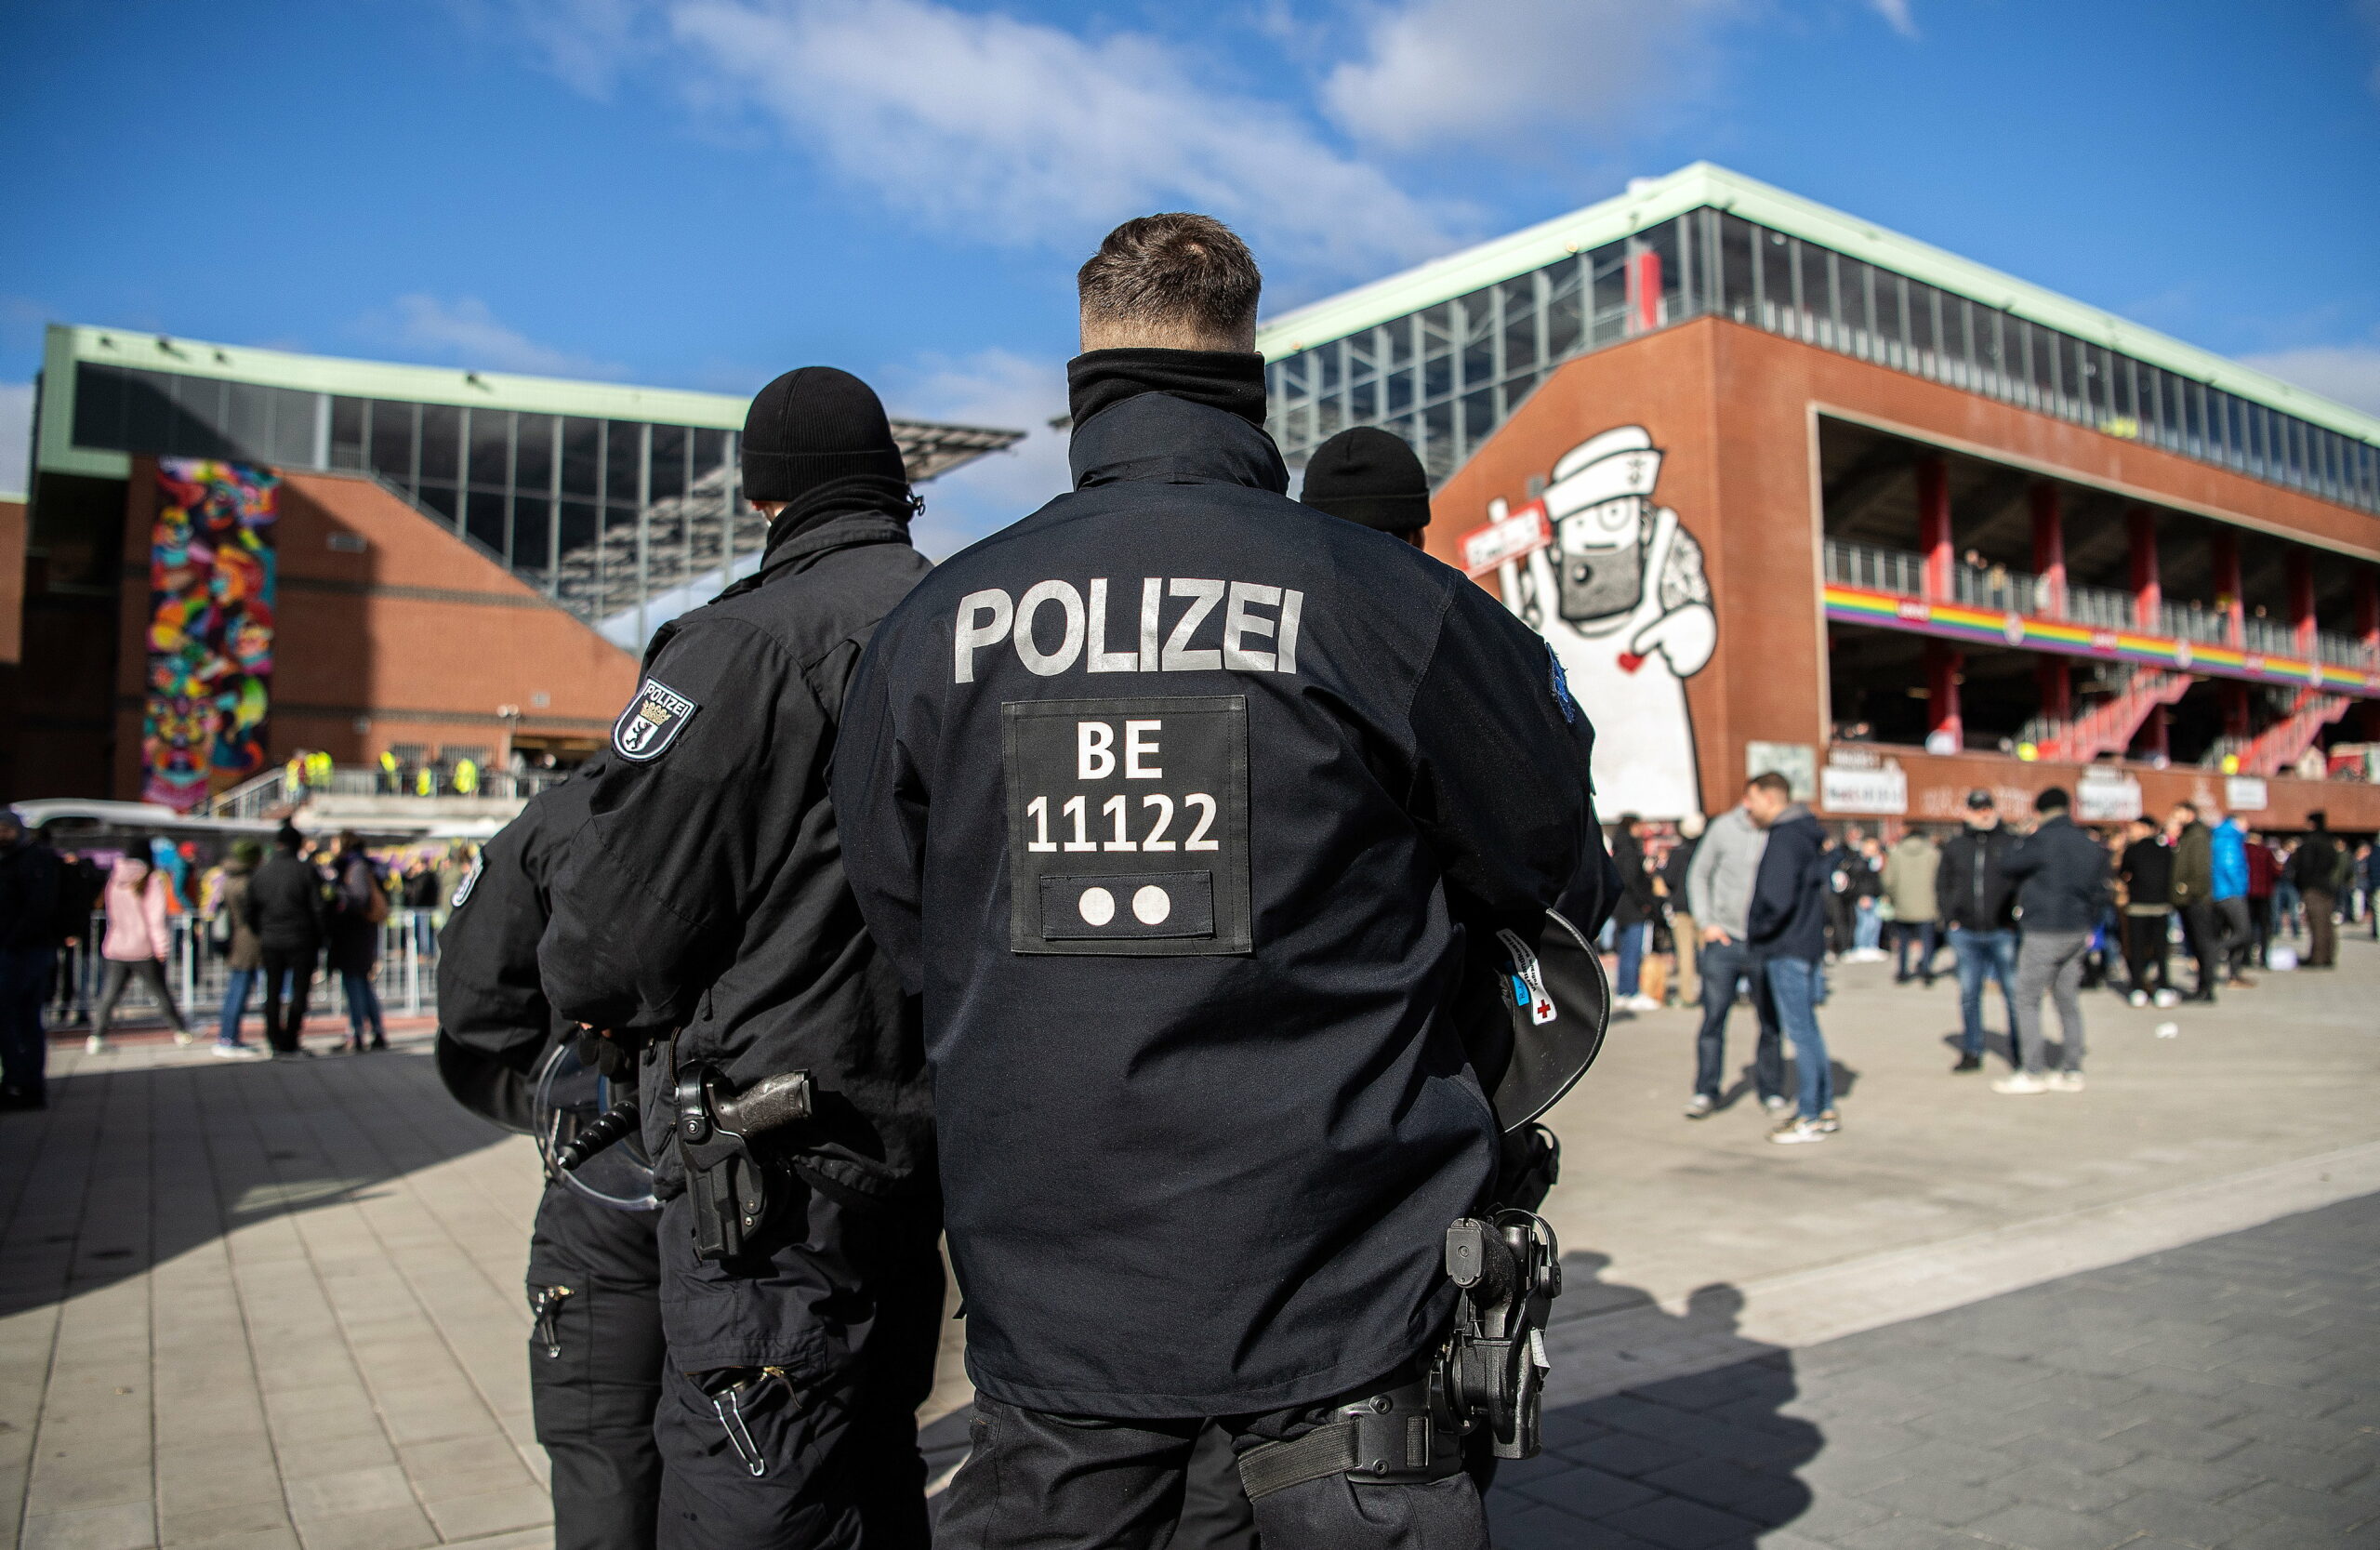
{"x": 651, "y": 722}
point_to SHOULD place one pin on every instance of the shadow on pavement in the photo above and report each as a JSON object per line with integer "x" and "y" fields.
{"x": 1707, "y": 1460}
{"x": 131, "y": 1167}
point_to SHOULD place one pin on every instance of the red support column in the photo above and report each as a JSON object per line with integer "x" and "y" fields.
{"x": 2301, "y": 602}
{"x": 2367, "y": 609}
{"x": 1934, "y": 526}
{"x": 1946, "y": 732}
{"x": 2049, "y": 548}
{"x": 1644, "y": 292}
{"x": 2056, "y": 676}
{"x": 2148, "y": 593}
{"x": 2224, "y": 550}
{"x": 2237, "y": 720}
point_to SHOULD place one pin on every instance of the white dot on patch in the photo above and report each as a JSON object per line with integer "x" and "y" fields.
{"x": 1098, "y": 907}
{"x": 1151, "y": 905}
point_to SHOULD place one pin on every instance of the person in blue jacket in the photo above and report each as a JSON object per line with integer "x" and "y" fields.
{"x": 2230, "y": 896}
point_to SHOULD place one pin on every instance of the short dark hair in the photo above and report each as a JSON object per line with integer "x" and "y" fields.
{"x": 2051, "y": 799}
{"x": 2188, "y": 807}
{"x": 1771, "y": 782}
{"x": 1188, "y": 272}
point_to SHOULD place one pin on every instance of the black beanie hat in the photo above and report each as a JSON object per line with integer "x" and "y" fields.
{"x": 811, "y": 426}
{"x": 1368, "y": 475}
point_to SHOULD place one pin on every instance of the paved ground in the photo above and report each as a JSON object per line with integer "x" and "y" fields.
{"x": 256, "y": 1307}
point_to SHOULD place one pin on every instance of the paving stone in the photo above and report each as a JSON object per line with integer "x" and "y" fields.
{"x": 1906, "y": 1533}
{"x": 490, "y": 1512}
{"x": 2296, "y": 1467}
{"x": 1624, "y": 1453}
{"x": 1944, "y": 1502}
{"x": 2177, "y": 1478}
{"x": 2176, "y": 1440}
{"x": 1550, "y": 1529}
{"x": 2321, "y": 1508}
{"x": 1679, "y": 1525}
{"x": 1587, "y": 1492}
{"x": 2035, "y": 1526}
{"x": 385, "y": 1529}
{"x": 2067, "y": 1489}
{"x": 127, "y": 1526}
{"x": 2184, "y": 1519}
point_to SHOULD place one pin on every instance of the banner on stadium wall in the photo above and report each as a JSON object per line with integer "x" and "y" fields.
{"x": 211, "y": 576}
{"x": 1881, "y": 790}
{"x": 2105, "y": 797}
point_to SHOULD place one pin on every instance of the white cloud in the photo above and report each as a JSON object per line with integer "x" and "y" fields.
{"x": 994, "y": 387}
{"x": 1435, "y": 73}
{"x": 2349, "y": 373}
{"x": 467, "y": 332}
{"x": 1017, "y": 131}
{"x": 1896, "y": 14}
{"x": 16, "y": 436}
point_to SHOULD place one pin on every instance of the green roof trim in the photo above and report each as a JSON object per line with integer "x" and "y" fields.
{"x": 1650, "y": 202}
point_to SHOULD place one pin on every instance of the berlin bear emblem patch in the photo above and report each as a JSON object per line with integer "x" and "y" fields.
{"x": 651, "y": 722}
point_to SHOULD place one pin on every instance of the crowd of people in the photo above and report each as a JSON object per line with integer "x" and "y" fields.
{"x": 2035, "y": 903}
{"x": 266, "y": 919}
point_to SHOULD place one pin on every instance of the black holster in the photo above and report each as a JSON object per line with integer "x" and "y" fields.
{"x": 731, "y": 1181}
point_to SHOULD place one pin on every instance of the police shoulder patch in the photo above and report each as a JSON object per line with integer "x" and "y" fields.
{"x": 1562, "y": 686}
{"x": 470, "y": 881}
{"x": 651, "y": 722}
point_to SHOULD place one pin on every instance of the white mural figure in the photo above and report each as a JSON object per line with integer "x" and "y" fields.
{"x": 1630, "y": 619}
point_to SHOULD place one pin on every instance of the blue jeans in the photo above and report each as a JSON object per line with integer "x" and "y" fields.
{"x": 236, "y": 985}
{"x": 1631, "y": 957}
{"x": 363, "y": 1006}
{"x": 425, "y": 934}
{"x": 1794, "y": 989}
{"x": 1867, "y": 929}
{"x": 1980, "y": 953}
{"x": 1723, "y": 965}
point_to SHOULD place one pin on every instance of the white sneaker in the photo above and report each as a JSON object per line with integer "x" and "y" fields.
{"x": 2020, "y": 1085}
{"x": 1797, "y": 1133}
{"x": 2169, "y": 997}
{"x": 1699, "y": 1106}
{"x": 2138, "y": 998}
{"x": 2066, "y": 1081}
{"x": 1777, "y": 1105}
{"x": 237, "y": 1052}
{"x": 1641, "y": 1002}
{"x": 185, "y": 1038}
{"x": 95, "y": 1045}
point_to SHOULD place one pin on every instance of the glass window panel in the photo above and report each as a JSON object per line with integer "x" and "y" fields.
{"x": 2126, "y": 386}
{"x": 491, "y": 448}
{"x": 582, "y": 459}
{"x": 1851, "y": 303}
{"x": 293, "y": 426}
{"x": 1400, "y": 341}
{"x": 442, "y": 443}
{"x": 1517, "y": 389}
{"x": 247, "y": 422}
{"x": 1478, "y": 419}
{"x": 1775, "y": 280}
{"x": 710, "y": 450}
{"x": 1608, "y": 319}
{"x": 668, "y": 461}
{"x": 529, "y": 534}
{"x": 1737, "y": 236}
{"x": 577, "y": 527}
{"x": 439, "y": 498}
{"x": 1922, "y": 301}
{"x": 623, "y": 453}
{"x": 533, "y": 452}
{"x": 1437, "y": 324}
{"x": 1478, "y": 314}
{"x": 1293, "y": 370}
{"x": 347, "y": 433}
{"x": 1565, "y": 324}
{"x": 1667, "y": 274}
{"x": 1438, "y": 448}
{"x": 1330, "y": 419}
{"x": 392, "y": 438}
{"x": 195, "y": 430}
{"x": 1400, "y": 391}
{"x": 1359, "y": 354}
{"x": 1479, "y": 361}
{"x": 1520, "y": 340}
{"x": 100, "y": 395}
{"x": 1437, "y": 376}
{"x": 1329, "y": 358}
{"x": 1363, "y": 402}
{"x": 483, "y": 518}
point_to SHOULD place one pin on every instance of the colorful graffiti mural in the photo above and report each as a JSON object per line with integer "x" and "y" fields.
{"x": 211, "y": 573}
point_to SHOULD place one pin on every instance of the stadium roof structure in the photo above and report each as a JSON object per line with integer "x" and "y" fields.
{"x": 1651, "y": 201}
{"x": 930, "y": 448}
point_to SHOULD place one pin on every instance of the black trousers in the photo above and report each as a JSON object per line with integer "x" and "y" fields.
{"x": 832, "y": 1333}
{"x": 2202, "y": 933}
{"x": 2321, "y": 932}
{"x": 120, "y": 974}
{"x": 281, "y": 1031}
{"x": 1043, "y": 1481}
{"x": 2144, "y": 951}
{"x": 595, "y": 1364}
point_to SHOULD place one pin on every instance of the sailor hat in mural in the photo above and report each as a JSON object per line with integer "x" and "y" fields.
{"x": 1621, "y": 464}
{"x": 651, "y": 722}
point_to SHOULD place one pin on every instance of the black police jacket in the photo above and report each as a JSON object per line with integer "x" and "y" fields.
{"x": 494, "y": 1021}
{"x": 705, "y": 891}
{"x": 1182, "y": 804}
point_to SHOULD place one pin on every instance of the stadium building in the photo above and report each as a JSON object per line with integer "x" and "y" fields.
{"x": 231, "y": 555}
{"x": 1789, "y": 491}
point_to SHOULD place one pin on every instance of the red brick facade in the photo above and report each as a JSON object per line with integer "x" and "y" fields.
{"x": 1734, "y": 413}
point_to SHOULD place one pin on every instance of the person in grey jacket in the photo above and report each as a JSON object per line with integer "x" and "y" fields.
{"x": 1718, "y": 888}
{"x": 2061, "y": 878}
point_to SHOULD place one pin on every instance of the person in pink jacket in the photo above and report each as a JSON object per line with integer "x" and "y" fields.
{"x": 137, "y": 940}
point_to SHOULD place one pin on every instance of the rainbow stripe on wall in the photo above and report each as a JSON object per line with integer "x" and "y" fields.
{"x": 1962, "y": 622}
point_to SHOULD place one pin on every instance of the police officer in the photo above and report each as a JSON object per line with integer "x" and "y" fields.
{"x": 595, "y": 1352}
{"x": 1184, "y": 805}
{"x": 702, "y": 912}
{"x": 1370, "y": 476}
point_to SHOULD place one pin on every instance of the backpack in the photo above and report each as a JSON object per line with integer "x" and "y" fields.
{"x": 375, "y": 903}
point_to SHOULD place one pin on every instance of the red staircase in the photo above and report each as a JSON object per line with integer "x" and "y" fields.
{"x": 2280, "y": 746}
{"x": 2109, "y": 726}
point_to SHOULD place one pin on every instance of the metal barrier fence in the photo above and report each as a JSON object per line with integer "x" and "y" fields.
{"x": 198, "y": 973}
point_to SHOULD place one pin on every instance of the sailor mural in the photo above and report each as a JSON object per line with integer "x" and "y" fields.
{"x": 1616, "y": 587}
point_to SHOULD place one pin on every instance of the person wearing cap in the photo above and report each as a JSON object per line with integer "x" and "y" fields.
{"x": 1977, "y": 902}
{"x": 701, "y": 915}
{"x": 1370, "y": 477}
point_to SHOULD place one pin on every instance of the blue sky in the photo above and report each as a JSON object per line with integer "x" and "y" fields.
{"x": 703, "y": 192}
